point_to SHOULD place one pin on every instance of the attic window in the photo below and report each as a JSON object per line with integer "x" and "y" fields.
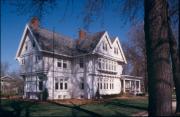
{"x": 115, "y": 50}
{"x": 23, "y": 61}
{"x": 33, "y": 44}
{"x": 26, "y": 47}
{"x": 104, "y": 46}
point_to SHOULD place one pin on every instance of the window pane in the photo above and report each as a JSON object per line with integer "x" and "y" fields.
{"x": 65, "y": 85}
{"x": 61, "y": 85}
{"x": 56, "y": 85}
{"x": 81, "y": 63}
{"x": 82, "y": 85}
{"x": 59, "y": 64}
{"x": 64, "y": 65}
{"x": 40, "y": 85}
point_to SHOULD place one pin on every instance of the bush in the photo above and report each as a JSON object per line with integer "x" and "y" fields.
{"x": 140, "y": 94}
{"x": 45, "y": 94}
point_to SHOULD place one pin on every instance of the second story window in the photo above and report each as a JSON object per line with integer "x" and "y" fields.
{"x": 37, "y": 58}
{"x": 81, "y": 63}
{"x": 65, "y": 64}
{"x": 59, "y": 63}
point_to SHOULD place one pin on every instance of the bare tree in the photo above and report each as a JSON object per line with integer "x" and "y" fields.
{"x": 4, "y": 68}
{"x": 135, "y": 53}
{"x": 157, "y": 46}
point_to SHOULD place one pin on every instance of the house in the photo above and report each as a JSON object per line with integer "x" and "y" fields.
{"x": 10, "y": 86}
{"x": 71, "y": 68}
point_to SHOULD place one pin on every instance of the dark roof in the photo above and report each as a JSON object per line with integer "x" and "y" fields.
{"x": 66, "y": 45}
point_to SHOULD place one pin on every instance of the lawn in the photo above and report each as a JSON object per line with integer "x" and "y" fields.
{"x": 112, "y": 107}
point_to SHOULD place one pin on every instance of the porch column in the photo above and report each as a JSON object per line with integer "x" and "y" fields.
{"x": 124, "y": 91}
{"x": 135, "y": 87}
{"x": 139, "y": 85}
{"x": 130, "y": 85}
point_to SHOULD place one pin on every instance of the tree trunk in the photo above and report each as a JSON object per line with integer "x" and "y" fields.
{"x": 158, "y": 57}
{"x": 175, "y": 66}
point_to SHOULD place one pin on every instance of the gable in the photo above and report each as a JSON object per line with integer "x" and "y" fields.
{"x": 104, "y": 41}
{"x": 26, "y": 43}
{"x": 117, "y": 45}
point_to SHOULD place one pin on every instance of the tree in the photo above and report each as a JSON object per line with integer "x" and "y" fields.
{"x": 158, "y": 63}
{"x": 4, "y": 68}
{"x": 135, "y": 53}
{"x": 157, "y": 48}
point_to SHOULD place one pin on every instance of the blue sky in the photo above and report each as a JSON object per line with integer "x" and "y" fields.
{"x": 12, "y": 26}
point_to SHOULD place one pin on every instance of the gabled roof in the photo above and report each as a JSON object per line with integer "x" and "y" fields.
{"x": 62, "y": 44}
{"x": 89, "y": 43}
{"x": 47, "y": 41}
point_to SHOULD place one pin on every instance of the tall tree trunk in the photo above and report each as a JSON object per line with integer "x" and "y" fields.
{"x": 158, "y": 57}
{"x": 175, "y": 66}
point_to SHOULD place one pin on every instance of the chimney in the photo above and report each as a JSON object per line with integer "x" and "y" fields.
{"x": 82, "y": 34}
{"x": 34, "y": 23}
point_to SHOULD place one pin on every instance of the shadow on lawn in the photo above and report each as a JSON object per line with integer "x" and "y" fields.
{"x": 18, "y": 107}
{"x": 76, "y": 108}
{"x": 126, "y": 105}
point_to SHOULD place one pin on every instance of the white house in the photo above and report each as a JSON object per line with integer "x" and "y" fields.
{"x": 72, "y": 68}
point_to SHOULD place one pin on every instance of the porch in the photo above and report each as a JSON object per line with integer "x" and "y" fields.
{"x": 131, "y": 84}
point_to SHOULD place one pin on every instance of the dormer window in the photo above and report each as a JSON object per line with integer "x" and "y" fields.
{"x": 23, "y": 61}
{"x": 104, "y": 46}
{"x": 26, "y": 47}
{"x": 33, "y": 44}
{"x": 115, "y": 50}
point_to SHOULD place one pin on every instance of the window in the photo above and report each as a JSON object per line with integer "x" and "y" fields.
{"x": 23, "y": 61}
{"x": 59, "y": 63}
{"x": 64, "y": 96}
{"x": 40, "y": 85}
{"x": 101, "y": 85}
{"x": 104, "y": 46}
{"x": 65, "y": 85}
{"x": 112, "y": 86}
{"x": 99, "y": 63}
{"x": 26, "y": 47}
{"x": 37, "y": 58}
{"x": 56, "y": 85}
{"x": 137, "y": 84}
{"x": 81, "y": 64}
{"x": 59, "y": 96}
{"x": 65, "y": 64}
{"x": 115, "y": 50}
{"x": 61, "y": 85}
{"x": 33, "y": 44}
{"x": 82, "y": 83}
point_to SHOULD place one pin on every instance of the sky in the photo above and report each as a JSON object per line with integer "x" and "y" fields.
{"x": 13, "y": 24}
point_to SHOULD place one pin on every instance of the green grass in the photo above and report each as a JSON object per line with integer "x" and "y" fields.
{"x": 124, "y": 107}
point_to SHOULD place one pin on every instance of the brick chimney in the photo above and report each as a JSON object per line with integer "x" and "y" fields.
{"x": 34, "y": 23}
{"x": 82, "y": 34}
